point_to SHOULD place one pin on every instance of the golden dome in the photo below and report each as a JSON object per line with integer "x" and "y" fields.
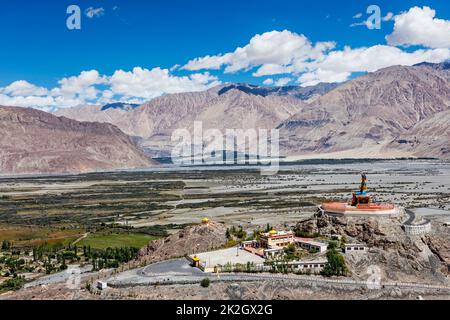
{"x": 273, "y": 232}
{"x": 205, "y": 220}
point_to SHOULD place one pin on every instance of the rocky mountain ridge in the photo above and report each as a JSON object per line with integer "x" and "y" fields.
{"x": 34, "y": 141}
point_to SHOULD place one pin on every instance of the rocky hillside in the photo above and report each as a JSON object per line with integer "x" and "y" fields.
{"x": 33, "y": 141}
{"x": 224, "y": 106}
{"x": 198, "y": 238}
{"x": 93, "y": 113}
{"x": 429, "y": 137}
{"x": 399, "y": 257}
{"x": 230, "y": 106}
{"x": 374, "y": 110}
{"x": 303, "y": 93}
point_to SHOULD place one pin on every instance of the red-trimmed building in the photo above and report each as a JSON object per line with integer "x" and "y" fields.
{"x": 273, "y": 239}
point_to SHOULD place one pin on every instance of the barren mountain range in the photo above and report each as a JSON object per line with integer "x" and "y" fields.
{"x": 378, "y": 111}
{"x": 229, "y": 106}
{"x": 34, "y": 141}
{"x": 394, "y": 112}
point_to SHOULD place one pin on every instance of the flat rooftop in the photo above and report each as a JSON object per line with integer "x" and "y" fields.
{"x": 310, "y": 241}
{"x": 278, "y": 233}
{"x": 224, "y": 256}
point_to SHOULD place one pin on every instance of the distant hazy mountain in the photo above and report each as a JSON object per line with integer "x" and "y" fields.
{"x": 33, "y": 141}
{"x": 302, "y": 93}
{"x": 438, "y": 66}
{"x": 95, "y": 113}
{"x": 120, "y": 105}
{"x": 369, "y": 113}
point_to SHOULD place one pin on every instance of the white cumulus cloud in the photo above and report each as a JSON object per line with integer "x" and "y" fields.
{"x": 272, "y": 50}
{"x": 340, "y": 64}
{"x": 418, "y": 26}
{"x": 91, "y": 87}
{"x": 92, "y": 12}
{"x": 281, "y": 57}
{"x": 288, "y": 53}
{"x": 24, "y": 88}
{"x": 147, "y": 84}
{"x": 27, "y": 101}
{"x": 282, "y": 82}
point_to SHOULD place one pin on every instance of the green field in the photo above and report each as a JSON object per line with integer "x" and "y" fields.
{"x": 116, "y": 240}
{"x": 30, "y": 236}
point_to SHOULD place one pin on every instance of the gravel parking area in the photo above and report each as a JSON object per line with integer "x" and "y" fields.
{"x": 231, "y": 255}
{"x": 178, "y": 266}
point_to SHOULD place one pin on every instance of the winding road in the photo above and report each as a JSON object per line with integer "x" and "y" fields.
{"x": 80, "y": 238}
{"x": 178, "y": 271}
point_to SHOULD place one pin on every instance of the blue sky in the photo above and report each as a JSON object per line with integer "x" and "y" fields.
{"x": 38, "y": 48}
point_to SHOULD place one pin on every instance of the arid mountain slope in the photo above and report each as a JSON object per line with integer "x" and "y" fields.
{"x": 34, "y": 141}
{"x": 225, "y": 106}
{"x": 430, "y": 137}
{"x": 370, "y": 116}
{"x": 222, "y": 107}
{"x": 368, "y": 112}
{"x": 93, "y": 113}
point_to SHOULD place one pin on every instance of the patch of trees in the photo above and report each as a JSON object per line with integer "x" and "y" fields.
{"x": 305, "y": 234}
{"x": 155, "y": 230}
{"x": 6, "y": 245}
{"x": 336, "y": 264}
{"x": 14, "y": 283}
{"x": 205, "y": 283}
{"x": 258, "y": 231}
{"x": 291, "y": 253}
{"x": 235, "y": 233}
{"x": 109, "y": 257}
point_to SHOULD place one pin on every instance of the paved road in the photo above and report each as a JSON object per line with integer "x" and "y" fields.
{"x": 177, "y": 272}
{"x": 172, "y": 267}
{"x": 293, "y": 279}
{"x": 411, "y": 217}
{"x": 59, "y": 277}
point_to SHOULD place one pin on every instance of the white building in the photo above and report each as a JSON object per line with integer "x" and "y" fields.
{"x": 101, "y": 285}
{"x": 309, "y": 244}
{"x": 417, "y": 229}
{"x": 354, "y": 247}
{"x": 313, "y": 266}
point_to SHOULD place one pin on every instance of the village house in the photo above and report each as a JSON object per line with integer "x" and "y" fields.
{"x": 354, "y": 247}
